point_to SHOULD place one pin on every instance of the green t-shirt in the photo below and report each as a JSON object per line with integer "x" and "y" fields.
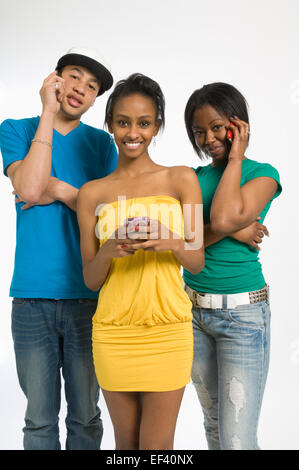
{"x": 230, "y": 266}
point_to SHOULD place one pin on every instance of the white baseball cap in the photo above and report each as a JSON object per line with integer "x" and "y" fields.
{"x": 93, "y": 61}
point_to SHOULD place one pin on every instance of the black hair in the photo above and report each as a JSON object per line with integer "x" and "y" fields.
{"x": 225, "y": 98}
{"x": 137, "y": 84}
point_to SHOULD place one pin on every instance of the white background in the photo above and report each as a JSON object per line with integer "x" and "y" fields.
{"x": 183, "y": 45}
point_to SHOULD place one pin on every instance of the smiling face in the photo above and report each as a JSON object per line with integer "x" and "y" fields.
{"x": 134, "y": 124}
{"x": 209, "y": 129}
{"x": 81, "y": 89}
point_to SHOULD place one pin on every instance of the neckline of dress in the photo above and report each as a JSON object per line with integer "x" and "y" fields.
{"x": 144, "y": 197}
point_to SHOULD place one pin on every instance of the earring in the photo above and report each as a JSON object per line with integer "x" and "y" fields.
{"x": 154, "y": 141}
{"x": 111, "y": 140}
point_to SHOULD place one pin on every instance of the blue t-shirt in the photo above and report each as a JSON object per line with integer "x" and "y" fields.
{"x": 230, "y": 266}
{"x": 47, "y": 258}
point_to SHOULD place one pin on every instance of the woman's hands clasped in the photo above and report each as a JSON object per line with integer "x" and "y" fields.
{"x": 154, "y": 236}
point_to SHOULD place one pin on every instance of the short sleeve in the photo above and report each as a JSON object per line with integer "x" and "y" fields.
{"x": 13, "y": 143}
{"x": 265, "y": 169}
{"x": 197, "y": 170}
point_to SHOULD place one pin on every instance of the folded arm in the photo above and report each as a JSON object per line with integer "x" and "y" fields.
{"x": 56, "y": 190}
{"x": 235, "y": 207}
{"x": 251, "y": 235}
{"x": 30, "y": 176}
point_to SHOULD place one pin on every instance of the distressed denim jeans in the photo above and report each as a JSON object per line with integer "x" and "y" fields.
{"x": 51, "y": 336}
{"x": 230, "y": 366}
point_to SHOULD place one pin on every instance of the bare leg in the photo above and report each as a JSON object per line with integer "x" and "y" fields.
{"x": 159, "y": 415}
{"x": 125, "y": 412}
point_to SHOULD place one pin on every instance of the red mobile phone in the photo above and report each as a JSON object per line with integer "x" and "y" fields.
{"x": 229, "y": 135}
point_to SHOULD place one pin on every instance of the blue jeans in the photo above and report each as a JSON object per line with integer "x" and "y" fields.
{"x": 231, "y": 359}
{"x": 50, "y": 335}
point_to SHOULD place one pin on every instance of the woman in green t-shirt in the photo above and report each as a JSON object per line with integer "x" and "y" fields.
{"x": 231, "y": 313}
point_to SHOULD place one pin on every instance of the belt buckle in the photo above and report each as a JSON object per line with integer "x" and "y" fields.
{"x": 216, "y": 301}
{"x": 204, "y": 301}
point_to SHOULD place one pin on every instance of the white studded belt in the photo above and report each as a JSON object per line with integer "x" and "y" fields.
{"x": 224, "y": 301}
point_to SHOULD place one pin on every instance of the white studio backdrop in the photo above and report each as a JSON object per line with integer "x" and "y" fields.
{"x": 183, "y": 45}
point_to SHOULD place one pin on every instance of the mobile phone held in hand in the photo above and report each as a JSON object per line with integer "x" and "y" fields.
{"x": 229, "y": 135}
{"x": 135, "y": 225}
{"x": 134, "y": 221}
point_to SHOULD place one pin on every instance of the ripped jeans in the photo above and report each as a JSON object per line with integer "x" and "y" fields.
{"x": 230, "y": 366}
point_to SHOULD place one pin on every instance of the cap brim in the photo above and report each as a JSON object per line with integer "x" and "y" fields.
{"x": 99, "y": 70}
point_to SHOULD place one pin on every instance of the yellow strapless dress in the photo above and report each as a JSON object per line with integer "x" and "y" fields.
{"x": 142, "y": 328}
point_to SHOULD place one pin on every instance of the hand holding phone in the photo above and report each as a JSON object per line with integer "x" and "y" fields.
{"x": 229, "y": 134}
{"x": 137, "y": 227}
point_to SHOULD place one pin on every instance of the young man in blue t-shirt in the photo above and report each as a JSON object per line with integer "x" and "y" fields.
{"x": 48, "y": 159}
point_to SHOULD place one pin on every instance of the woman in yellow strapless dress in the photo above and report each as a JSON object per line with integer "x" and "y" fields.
{"x": 142, "y": 328}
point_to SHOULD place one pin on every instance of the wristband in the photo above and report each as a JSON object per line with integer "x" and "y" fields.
{"x": 42, "y": 142}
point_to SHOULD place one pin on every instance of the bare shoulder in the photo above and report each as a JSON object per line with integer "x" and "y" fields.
{"x": 182, "y": 170}
{"x": 185, "y": 181}
{"x": 183, "y": 174}
{"x": 92, "y": 192}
